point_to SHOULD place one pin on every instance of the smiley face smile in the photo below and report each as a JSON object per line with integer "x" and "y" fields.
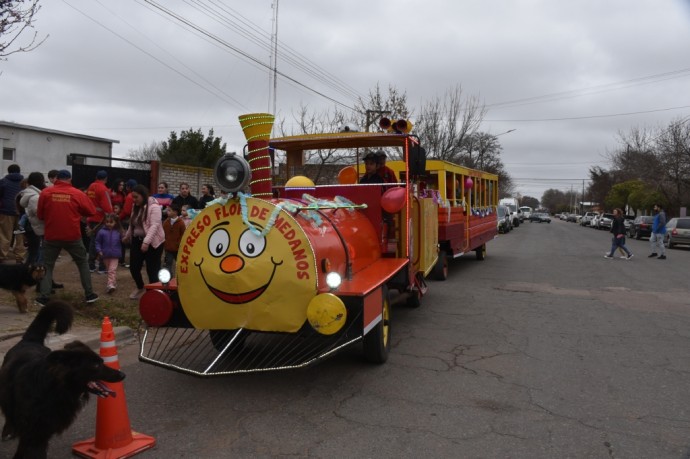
{"x": 238, "y": 298}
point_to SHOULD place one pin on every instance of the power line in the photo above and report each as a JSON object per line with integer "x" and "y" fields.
{"x": 612, "y": 115}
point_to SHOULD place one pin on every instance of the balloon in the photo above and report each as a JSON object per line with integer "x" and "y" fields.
{"x": 393, "y": 200}
{"x": 469, "y": 183}
{"x": 347, "y": 175}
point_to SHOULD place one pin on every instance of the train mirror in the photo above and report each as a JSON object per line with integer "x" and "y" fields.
{"x": 232, "y": 173}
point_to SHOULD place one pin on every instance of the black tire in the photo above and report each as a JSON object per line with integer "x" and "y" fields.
{"x": 481, "y": 252}
{"x": 377, "y": 343}
{"x": 440, "y": 270}
{"x": 414, "y": 299}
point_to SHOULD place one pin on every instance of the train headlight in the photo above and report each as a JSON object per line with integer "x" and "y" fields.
{"x": 164, "y": 276}
{"x": 232, "y": 173}
{"x": 333, "y": 280}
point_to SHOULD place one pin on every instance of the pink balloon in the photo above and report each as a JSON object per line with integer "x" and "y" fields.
{"x": 393, "y": 199}
{"x": 468, "y": 183}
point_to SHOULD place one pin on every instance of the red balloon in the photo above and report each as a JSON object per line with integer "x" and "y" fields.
{"x": 393, "y": 200}
{"x": 469, "y": 183}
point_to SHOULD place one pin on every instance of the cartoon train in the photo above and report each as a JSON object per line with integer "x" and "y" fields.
{"x": 283, "y": 277}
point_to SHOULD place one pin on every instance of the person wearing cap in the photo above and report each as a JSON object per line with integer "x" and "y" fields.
{"x": 386, "y": 173}
{"x": 370, "y": 170}
{"x": 9, "y": 189}
{"x": 99, "y": 194}
{"x": 61, "y": 207}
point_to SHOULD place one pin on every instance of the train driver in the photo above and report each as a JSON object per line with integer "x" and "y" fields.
{"x": 370, "y": 170}
{"x": 386, "y": 173}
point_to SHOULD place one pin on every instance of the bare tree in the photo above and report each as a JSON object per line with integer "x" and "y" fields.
{"x": 16, "y": 16}
{"x": 147, "y": 152}
{"x": 445, "y": 122}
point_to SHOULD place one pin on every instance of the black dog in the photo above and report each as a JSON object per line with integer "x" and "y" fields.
{"x": 17, "y": 278}
{"x": 42, "y": 391}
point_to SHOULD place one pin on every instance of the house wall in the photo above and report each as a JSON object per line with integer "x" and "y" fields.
{"x": 41, "y": 151}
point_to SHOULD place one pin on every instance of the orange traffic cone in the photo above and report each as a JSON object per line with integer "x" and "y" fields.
{"x": 114, "y": 437}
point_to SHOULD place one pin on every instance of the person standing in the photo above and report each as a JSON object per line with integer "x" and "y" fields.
{"x": 618, "y": 231}
{"x": 145, "y": 234}
{"x": 185, "y": 198}
{"x": 61, "y": 207}
{"x": 163, "y": 197}
{"x": 174, "y": 228}
{"x": 99, "y": 194}
{"x": 117, "y": 193}
{"x": 9, "y": 189}
{"x": 656, "y": 240}
{"x": 109, "y": 248}
{"x": 207, "y": 195}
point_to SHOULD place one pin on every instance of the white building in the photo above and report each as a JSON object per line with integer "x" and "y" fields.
{"x": 39, "y": 149}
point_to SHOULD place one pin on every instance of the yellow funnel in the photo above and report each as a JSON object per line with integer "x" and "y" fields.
{"x": 257, "y": 126}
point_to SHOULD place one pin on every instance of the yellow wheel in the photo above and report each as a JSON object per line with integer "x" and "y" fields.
{"x": 377, "y": 342}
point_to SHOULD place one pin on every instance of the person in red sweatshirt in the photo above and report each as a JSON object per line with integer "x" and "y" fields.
{"x": 62, "y": 207}
{"x": 99, "y": 194}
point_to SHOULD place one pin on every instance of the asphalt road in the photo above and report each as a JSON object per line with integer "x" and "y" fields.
{"x": 543, "y": 350}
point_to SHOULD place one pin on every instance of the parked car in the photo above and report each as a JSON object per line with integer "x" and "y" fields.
{"x": 539, "y": 217}
{"x": 504, "y": 224}
{"x": 677, "y": 232}
{"x": 605, "y": 221}
{"x": 587, "y": 218}
{"x": 595, "y": 221}
{"x": 641, "y": 227}
{"x": 627, "y": 221}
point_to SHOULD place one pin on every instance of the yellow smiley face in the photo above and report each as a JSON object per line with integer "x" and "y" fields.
{"x": 232, "y": 275}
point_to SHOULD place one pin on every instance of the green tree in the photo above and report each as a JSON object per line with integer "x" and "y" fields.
{"x": 619, "y": 196}
{"x": 529, "y": 201}
{"x": 192, "y": 148}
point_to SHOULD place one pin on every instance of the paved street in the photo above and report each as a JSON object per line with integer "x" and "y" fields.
{"x": 543, "y": 350}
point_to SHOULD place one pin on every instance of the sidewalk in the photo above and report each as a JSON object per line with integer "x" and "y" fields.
{"x": 13, "y": 324}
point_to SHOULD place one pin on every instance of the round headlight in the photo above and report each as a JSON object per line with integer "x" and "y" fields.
{"x": 333, "y": 280}
{"x": 164, "y": 276}
{"x": 232, "y": 173}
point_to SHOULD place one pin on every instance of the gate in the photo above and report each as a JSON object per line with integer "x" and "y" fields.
{"x": 84, "y": 174}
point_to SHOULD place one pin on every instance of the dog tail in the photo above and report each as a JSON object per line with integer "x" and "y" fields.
{"x": 55, "y": 311}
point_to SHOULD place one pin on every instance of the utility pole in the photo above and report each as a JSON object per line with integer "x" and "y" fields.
{"x": 273, "y": 75}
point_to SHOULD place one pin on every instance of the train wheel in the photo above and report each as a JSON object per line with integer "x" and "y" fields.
{"x": 441, "y": 267}
{"x": 221, "y": 338}
{"x": 377, "y": 342}
{"x": 481, "y": 252}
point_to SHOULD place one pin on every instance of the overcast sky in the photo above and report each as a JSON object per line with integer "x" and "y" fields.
{"x": 567, "y": 76}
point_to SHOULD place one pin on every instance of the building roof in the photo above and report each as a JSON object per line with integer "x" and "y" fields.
{"x": 56, "y": 132}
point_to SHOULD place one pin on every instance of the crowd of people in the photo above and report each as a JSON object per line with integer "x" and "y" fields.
{"x": 96, "y": 226}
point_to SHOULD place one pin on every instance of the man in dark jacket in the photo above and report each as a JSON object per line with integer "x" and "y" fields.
{"x": 9, "y": 189}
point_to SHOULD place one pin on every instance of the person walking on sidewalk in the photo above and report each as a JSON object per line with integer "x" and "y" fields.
{"x": 656, "y": 240}
{"x": 145, "y": 233}
{"x": 618, "y": 231}
{"x": 109, "y": 248}
{"x": 61, "y": 207}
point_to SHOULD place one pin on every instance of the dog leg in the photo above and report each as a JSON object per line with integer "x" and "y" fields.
{"x": 22, "y": 303}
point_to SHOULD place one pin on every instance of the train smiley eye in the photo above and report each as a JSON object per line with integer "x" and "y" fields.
{"x": 252, "y": 245}
{"x": 219, "y": 242}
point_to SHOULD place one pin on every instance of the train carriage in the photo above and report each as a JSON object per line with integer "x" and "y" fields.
{"x": 285, "y": 276}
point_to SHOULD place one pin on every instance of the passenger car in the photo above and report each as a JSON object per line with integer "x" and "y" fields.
{"x": 677, "y": 232}
{"x": 605, "y": 221}
{"x": 587, "y": 218}
{"x": 504, "y": 224}
{"x": 641, "y": 227}
{"x": 539, "y": 217}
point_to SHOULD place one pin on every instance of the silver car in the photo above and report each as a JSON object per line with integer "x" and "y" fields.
{"x": 677, "y": 232}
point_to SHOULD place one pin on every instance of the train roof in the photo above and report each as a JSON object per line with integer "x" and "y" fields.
{"x": 339, "y": 140}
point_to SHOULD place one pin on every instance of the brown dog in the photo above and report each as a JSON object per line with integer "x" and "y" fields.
{"x": 18, "y": 278}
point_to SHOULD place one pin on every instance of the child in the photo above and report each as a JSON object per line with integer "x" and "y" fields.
{"x": 173, "y": 227}
{"x": 185, "y": 216}
{"x": 109, "y": 248}
{"x": 117, "y": 208}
